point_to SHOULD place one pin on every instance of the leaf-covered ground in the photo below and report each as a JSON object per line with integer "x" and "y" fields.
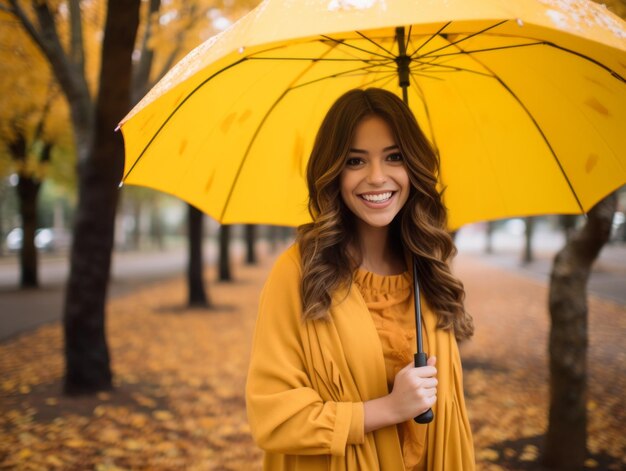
{"x": 179, "y": 380}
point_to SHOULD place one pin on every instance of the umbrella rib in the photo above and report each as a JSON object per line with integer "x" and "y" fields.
{"x": 258, "y": 130}
{"x": 543, "y": 136}
{"x": 353, "y": 54}
{"x": 428, "y": 117}
{"x": 428, "y": 76}
{"x": 452, "y": 68}
{"x": 339, "y": 74}
{"x": 391, "y": 54}
{"x": 390, "y": 76}
{"x": 440, "y": 176}
{"x": 465, "y": 38}
{"x": 488, "y": 49}
{"x": 174, "y": 111}
{"x": 540, "y": 43}
{"x": 408, "y": 37}
{"x": 315, "y": 59}
{"x": 583, "y": 56}
{"x": 430, "y": 38}
{"x": 343, "y": 43}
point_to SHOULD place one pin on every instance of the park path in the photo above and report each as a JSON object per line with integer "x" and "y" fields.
{"x": 180, "y": 373}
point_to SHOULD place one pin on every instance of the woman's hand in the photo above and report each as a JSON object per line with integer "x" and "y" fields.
{"x": 414, "y": 392}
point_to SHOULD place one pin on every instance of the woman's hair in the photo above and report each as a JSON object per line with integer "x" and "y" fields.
{"x": 419, "y": 229}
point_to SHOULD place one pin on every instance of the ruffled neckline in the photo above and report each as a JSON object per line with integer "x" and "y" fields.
{"x": 382, "y": 283}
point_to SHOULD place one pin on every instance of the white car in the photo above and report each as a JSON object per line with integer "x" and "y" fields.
{"x": 46, "y": 239}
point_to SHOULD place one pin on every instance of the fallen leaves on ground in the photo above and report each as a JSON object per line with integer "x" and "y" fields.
{"x": 178, "y": 402}
{"x": 506, "y": 375}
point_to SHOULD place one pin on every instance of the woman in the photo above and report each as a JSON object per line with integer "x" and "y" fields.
{"x": 331, "y": 383}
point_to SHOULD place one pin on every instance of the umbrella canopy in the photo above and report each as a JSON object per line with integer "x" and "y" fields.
{"x": 524, "y": 101}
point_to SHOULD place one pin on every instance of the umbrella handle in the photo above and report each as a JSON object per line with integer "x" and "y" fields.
{"x": 425, "y": 417}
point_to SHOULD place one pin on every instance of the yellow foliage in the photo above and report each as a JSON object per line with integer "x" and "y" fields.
{"x": 30, "y": 101}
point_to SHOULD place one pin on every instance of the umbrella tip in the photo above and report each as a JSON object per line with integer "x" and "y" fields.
{"x": 520, "y": 22}
{"x": 241, "y": 49}
{"x": 117, "y": 128}
{"x": 121, "y": 184}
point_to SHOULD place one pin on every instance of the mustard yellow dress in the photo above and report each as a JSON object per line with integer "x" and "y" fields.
{"x": 390, "y": 303}
{"x": 308, "y": 380}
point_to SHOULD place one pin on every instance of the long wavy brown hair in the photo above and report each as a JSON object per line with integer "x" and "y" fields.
{"x": 418, "y": 231}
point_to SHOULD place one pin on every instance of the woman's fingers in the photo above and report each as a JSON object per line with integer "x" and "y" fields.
{"x": 425, "y": 371}
{"x": 429, "y": 383}
{"x": 414, "y": 390}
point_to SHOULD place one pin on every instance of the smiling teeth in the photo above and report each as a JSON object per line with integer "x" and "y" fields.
{"x": 377, "y": 198}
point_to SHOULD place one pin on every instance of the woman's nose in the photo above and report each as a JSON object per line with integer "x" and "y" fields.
{"x": 376, "y": 174}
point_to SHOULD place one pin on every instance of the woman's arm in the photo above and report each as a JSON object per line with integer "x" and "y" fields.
{"x": 285, "y": 412}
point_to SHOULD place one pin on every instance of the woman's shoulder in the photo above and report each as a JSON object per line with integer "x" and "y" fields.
{"x": 281, "y": 293}
{"x": 288, "y": 265}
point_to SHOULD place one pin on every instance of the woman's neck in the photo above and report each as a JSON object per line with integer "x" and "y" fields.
{"x": 377, "y": 254}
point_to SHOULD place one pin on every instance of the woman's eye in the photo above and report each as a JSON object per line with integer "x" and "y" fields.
{"x": 395, "y": 157}
{"x": 353, "y": 161}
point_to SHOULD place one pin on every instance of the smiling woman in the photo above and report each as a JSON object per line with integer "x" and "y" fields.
{"x": 331, "y": 383}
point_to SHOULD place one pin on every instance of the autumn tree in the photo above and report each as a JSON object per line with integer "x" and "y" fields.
{"x": 224, "y": 264}
{"x": 31, "y": 111}
{"x": 58, "y": 30}
{"x": 250, "y": 236}
{"x": 197, "y": 295}
{"x": 566, "y": 438}
{"x": 529, "y": 230}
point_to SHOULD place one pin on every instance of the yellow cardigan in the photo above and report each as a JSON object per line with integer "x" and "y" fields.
{"x": 307, "y": 382}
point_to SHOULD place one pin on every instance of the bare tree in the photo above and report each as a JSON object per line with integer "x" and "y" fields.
{"x": 195, "y": 278}
{"x": 224, "y": 254}
{"x": 87, "y": 359}
{"x": 251, "y": 258}
{"x": 529, "y": 229}
{"x": 100, "y": 163}
{"x": 566, "y": 438}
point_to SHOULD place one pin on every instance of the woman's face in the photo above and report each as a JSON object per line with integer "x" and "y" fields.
{"x": 374, "y": 182}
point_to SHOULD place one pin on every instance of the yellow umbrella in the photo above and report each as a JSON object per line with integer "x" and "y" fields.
{"x": 524, "y": 100}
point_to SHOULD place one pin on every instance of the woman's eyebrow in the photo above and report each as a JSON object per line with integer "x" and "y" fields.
{"x": 361, "y": 151}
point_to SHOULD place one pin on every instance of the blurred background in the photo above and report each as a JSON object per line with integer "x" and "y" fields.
{"x": 182, "y": 294}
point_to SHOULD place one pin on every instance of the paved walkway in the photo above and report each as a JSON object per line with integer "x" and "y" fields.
{"x": 22, "y": 310}
{"x": 607, "y": 280}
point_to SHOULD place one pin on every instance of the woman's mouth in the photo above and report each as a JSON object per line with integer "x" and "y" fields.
{"x": 377, "y": 198}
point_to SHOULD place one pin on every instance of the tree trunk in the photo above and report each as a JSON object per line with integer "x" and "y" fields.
{"x": 87, "y": 357}
{"x": 251, "y": 258}
{"x": 137, "y": 215}
{"x": 529, "y": 227}
{"x": 28, "y": 192}
{"x": 568, "y": 224}
{"x": 195, "y": 277}
{"x": 156, "y": 225}
{"x": 567, "y": 436}
{"x": 272, "y": 235}
{"x": 224, "y": 259}
{"x": 489, "y": 237}
{"x": 3, "y": 193}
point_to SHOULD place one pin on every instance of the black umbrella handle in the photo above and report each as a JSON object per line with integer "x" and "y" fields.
{"x": 428, "y": 416}
{"x": 420, "y": 357}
